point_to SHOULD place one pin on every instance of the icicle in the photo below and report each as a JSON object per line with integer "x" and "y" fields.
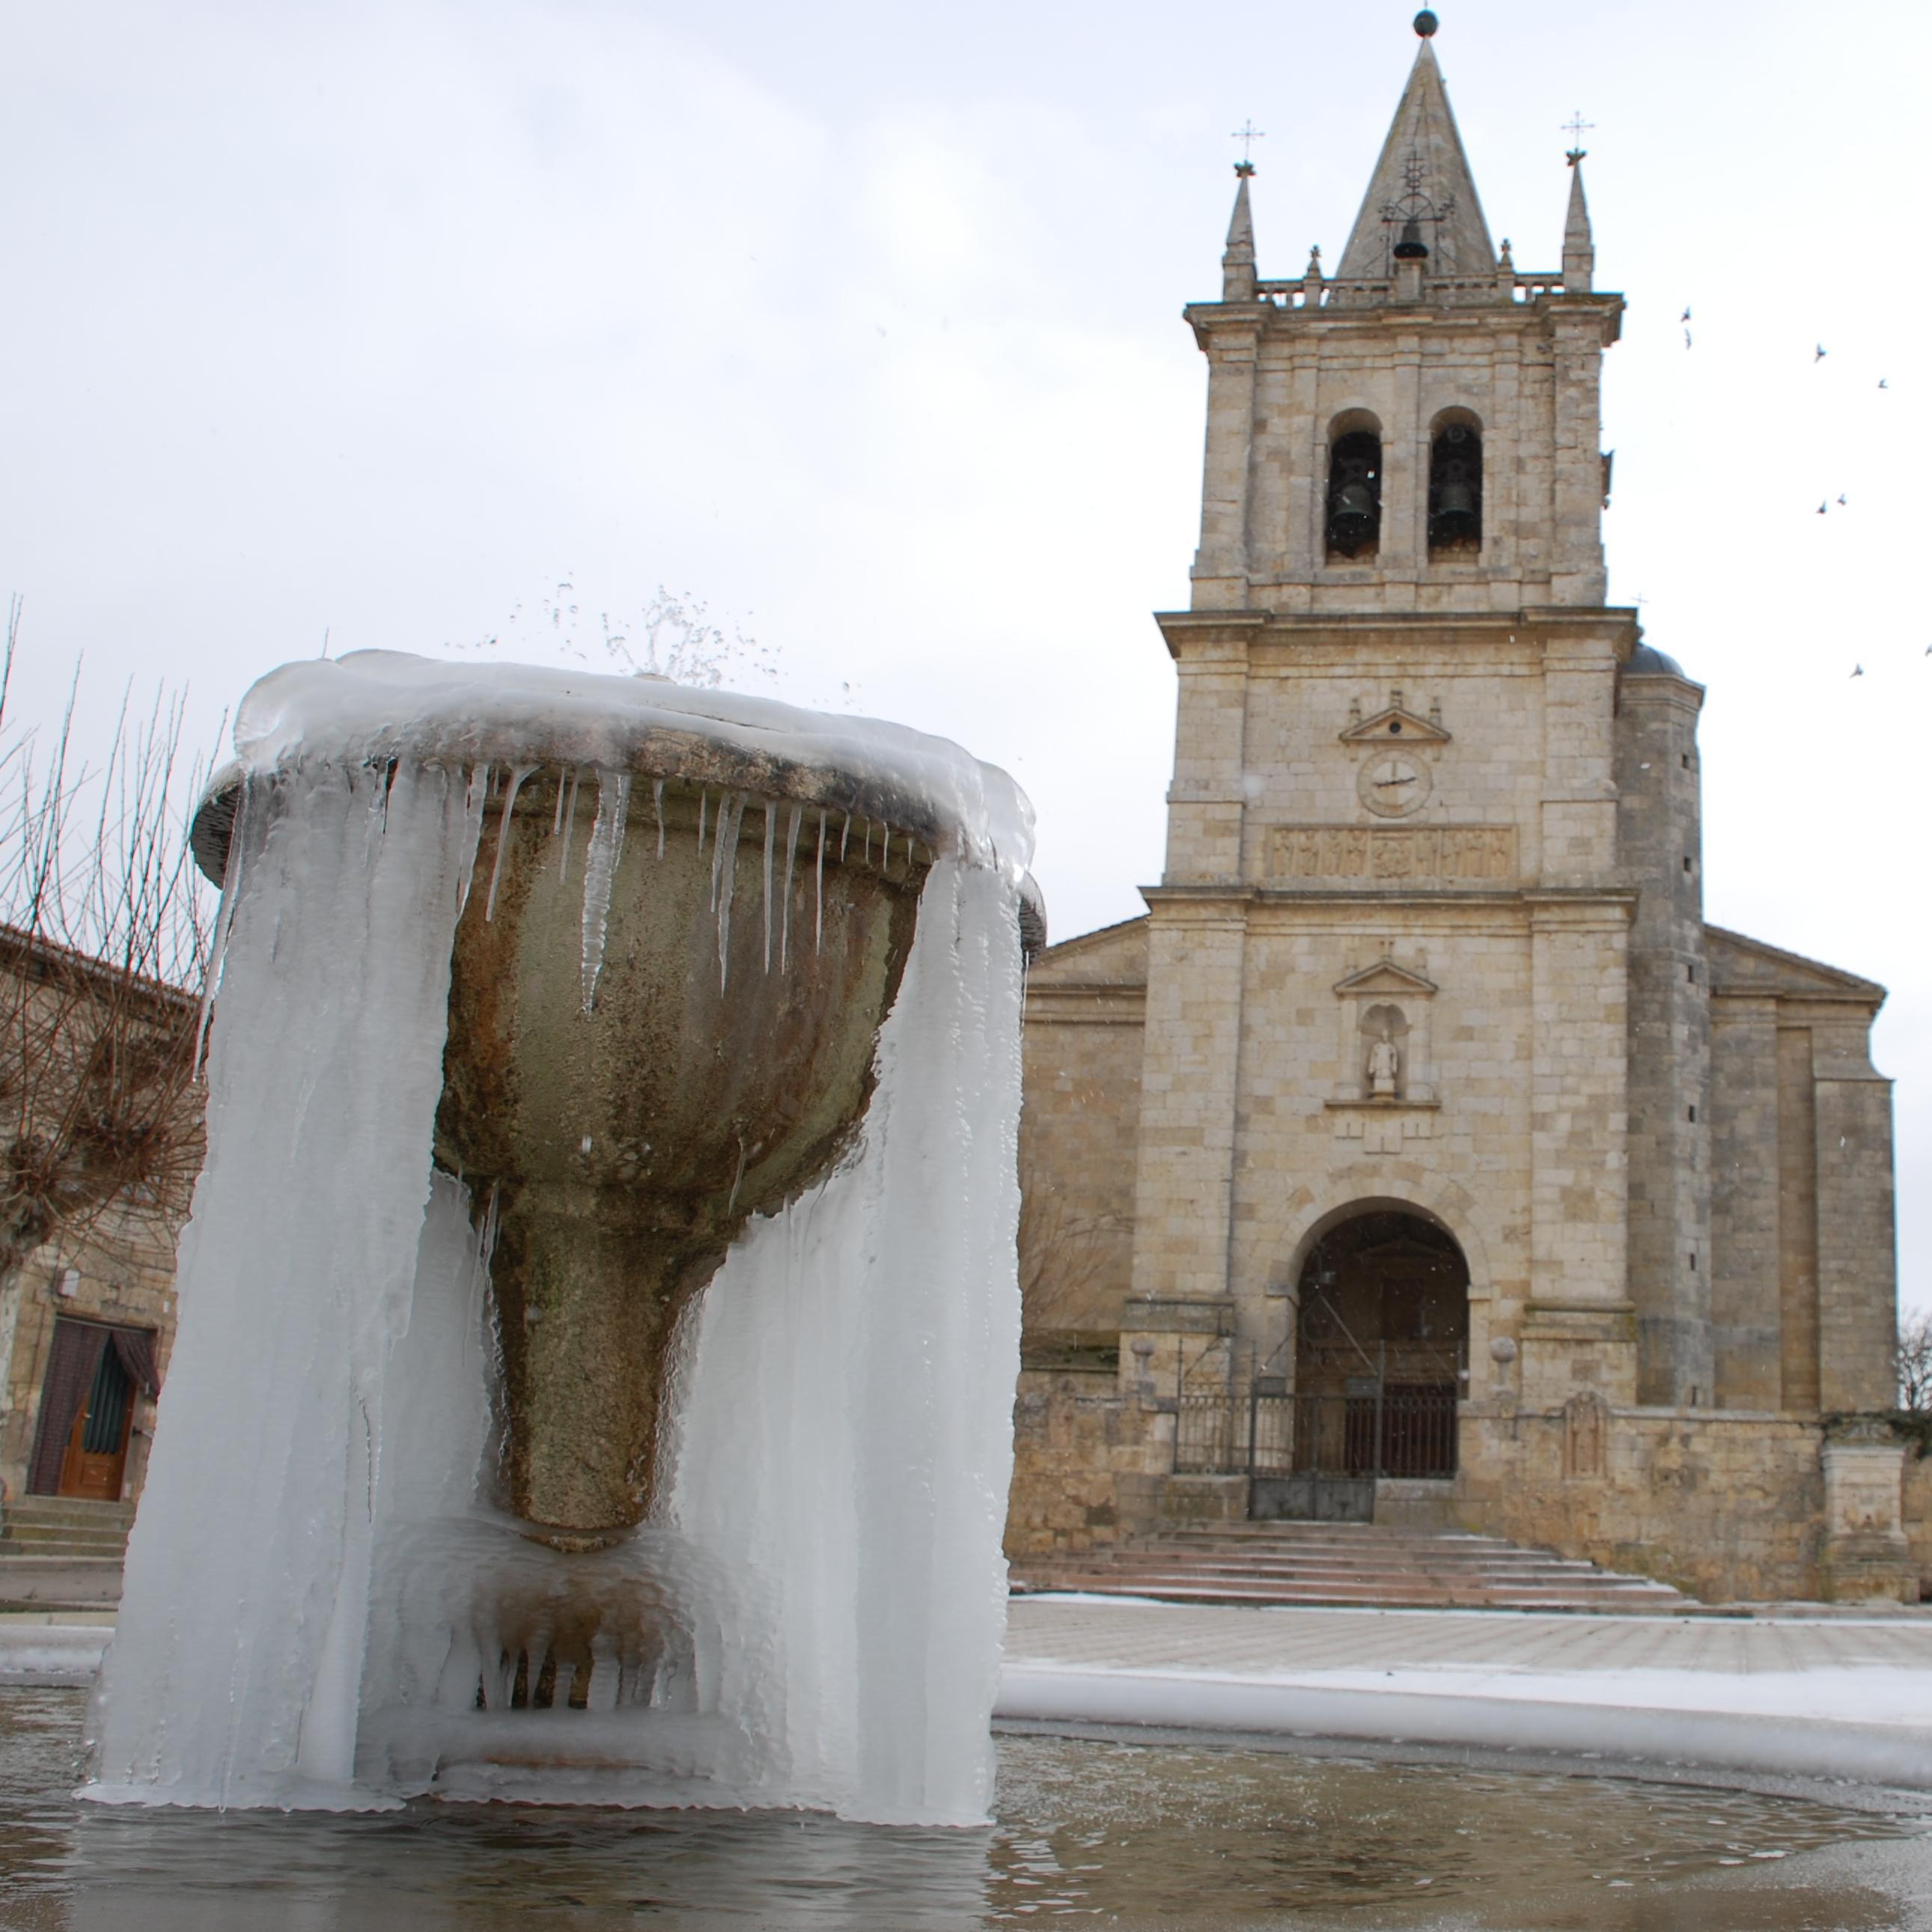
{"x": 657, "y": 802}
{"x": 717, "y": 842}
{"x": 701, "y": 824}
{"x": 557, "y": 824}
{"x": 868, "y": 841}
{"x": 224, "y": 919}
{"x": 472, "y": 820}
{"x": 600, "y": 873}
{"x": 784, "y": 904}
{"x": 818, "y": 892}
{"x": 517, "y": 778}
{"x": 730, "y": 816}
{"x": 844, "y": 834}
{"x": 569, "y": 828}
{"x": 771, "y": 834}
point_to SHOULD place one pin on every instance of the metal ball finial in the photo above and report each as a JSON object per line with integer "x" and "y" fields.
{"x": 1427, "y": 23}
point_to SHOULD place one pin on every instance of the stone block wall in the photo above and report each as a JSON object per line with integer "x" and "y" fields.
{"x": 123, "y": 1275}
{"x": 1725, "y": 1505}
{"x": 1918, "y": 1515}
{"x": 1076, "y": 1443}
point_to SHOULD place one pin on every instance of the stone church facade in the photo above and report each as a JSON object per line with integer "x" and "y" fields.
{"x": 1423, "y": 1151}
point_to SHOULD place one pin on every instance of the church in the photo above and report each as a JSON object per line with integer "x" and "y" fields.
{"x": 1422, "y": 1156}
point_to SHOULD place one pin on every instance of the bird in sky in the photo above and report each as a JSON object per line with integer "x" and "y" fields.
{"x": 1820, "y": 356}
{"x": 1685, "y": 317}
{"x": 1857, "y": 671}
{"x": 1824, "y": 509}
{"x": 1883, "y": 384}
{"x": 1687, "y": 338}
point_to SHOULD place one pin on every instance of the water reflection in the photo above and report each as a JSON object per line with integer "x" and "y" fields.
{"x": 1112, "y": 1834}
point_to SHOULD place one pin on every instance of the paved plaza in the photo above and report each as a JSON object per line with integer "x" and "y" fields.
{"x": 1819, "y": 1695}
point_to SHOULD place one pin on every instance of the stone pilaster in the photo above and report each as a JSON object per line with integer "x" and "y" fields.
{"x": 1185, "y": 1173}
{"x": 1866, "y": 1558}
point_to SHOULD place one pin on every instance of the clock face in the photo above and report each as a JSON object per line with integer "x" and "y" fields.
{"x": 1394, "y": 784}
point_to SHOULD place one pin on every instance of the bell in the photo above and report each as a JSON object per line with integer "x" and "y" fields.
{"x": 1354, "y": 502}
{"x": 1456, "y": 500}
{"x": 1411, "y": 248}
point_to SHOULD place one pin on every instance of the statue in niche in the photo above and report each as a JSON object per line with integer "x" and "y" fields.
{"x": 1384, "y": 1068}
{"x": 1586, "y": 1425}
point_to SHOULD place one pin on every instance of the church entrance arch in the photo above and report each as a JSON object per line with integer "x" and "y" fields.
{"x": 1380, "y": 1336}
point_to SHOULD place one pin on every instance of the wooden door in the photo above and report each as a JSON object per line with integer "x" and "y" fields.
{"x": 97, "y": 1448}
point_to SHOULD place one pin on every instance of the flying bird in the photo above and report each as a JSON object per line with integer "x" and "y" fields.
{"x": 1820, "y": 356}
{"x": 1685, "y": 317}
{"x": 1841, "y": 499}
{"x": 1857, "y": 671}
{"x": 1687, "y": 338}
{"x": 1824, "y": 508}
{"x": 1883, "y": 384}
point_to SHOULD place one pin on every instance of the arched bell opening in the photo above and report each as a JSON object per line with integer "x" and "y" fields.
{"x": 1456, "y": 485}
{"x": 1381, "y": 1334}
{"x": 1354, "y": 528}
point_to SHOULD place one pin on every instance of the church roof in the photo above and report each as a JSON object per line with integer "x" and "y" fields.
{"x": 1739, "y": 965}
{"x": 1422, "y": 172}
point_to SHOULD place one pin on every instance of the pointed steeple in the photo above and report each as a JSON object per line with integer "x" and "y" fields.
{"x": 1579, "y": 248}
{"x": 1237, "y": 260}
{"x": 1423, "y": 178}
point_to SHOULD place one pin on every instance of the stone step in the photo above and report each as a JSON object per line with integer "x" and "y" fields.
{"x": 1344, "y": 1565}
{"x": 1326, "y": 1579}
{"x": 68, "y": 1509}
{"x": 13, "y": 1552}
{"x": 32, "y": 1535}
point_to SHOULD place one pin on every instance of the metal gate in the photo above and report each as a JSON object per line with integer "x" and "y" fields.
{"x": 1317, "y": 1457}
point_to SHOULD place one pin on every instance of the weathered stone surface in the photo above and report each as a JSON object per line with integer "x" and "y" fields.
{"x": 1439, "y": 793}
{"x": 622, "y": 1148}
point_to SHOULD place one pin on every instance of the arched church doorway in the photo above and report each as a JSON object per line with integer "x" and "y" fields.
{"x": 1381, "y": 1335}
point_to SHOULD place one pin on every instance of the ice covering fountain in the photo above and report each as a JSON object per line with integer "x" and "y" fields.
{"x": 598, "y": 1316}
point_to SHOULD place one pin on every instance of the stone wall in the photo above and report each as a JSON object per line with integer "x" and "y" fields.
{"x": 122, "y": 1274}
{"x": 1086, "y": 1005}
{"x": 1076, "y": 1442}
{"x": 1725, "y": 1505}
{"x": 1918, "y": 1513}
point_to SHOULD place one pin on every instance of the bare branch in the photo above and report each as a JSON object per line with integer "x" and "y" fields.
{"x": 103, "y": 942}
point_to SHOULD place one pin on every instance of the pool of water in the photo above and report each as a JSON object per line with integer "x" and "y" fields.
{"x": 1091, "y": 1832}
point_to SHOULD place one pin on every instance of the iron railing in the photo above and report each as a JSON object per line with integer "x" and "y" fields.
{"x": 1389, "y": 1430}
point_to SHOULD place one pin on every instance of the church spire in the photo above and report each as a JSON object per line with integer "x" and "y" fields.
{"x": 1238, "y": 261}
{"x": 1422, "y": 183}
{"x": 1579, "y": 248}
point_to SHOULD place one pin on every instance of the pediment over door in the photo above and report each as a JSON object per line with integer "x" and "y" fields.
{"x": 1385, "y": 977}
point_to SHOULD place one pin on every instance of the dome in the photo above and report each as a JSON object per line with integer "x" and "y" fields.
{"x": 1647, "y": 662}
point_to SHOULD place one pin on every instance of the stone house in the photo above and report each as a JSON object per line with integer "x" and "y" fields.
{"x": 87, "y": 1320}
{"x": 1422, "y": 1154}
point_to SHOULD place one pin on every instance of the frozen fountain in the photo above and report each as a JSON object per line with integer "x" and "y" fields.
{"x": 598, "y": 1315}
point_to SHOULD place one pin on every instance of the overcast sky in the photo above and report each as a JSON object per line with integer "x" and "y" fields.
{"x": 859, "y": 322}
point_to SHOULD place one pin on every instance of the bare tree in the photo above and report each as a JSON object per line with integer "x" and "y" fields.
{"x": 104, "y": 944}
{"x": 1915, "y": 1363}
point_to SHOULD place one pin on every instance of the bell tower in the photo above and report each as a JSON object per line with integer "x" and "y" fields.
{"x": 1390, "y": 956}
{"x": 1419, "y": 433}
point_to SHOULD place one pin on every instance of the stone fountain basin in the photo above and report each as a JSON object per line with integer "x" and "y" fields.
{"x": 652, "y": 1036}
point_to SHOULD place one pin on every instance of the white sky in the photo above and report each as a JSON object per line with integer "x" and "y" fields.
{"x": 860, "y": 322}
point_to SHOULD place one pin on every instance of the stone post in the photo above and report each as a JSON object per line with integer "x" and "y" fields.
{"x": 1865, "y": 1559}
